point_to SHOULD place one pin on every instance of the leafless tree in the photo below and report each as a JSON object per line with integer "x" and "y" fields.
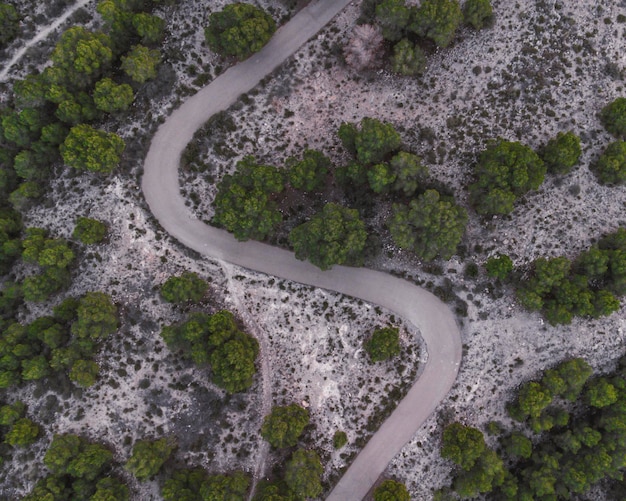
{"x": 365, "y": 48}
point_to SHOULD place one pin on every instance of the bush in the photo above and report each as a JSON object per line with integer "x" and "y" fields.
{"x": 186, "y": 287}
{"x": 89, "y": 231}
{"x": 284, "y": 425}
{"x": 148, "y": 456}
{"x": 499, "y": 267}
{"x": 611, "y": 166}
{"x": 562, "y": 153}
{"x": 383, "y": 344}
{"x": 340, "y": 439}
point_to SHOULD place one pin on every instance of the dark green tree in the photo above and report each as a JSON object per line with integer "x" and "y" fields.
{"x": 499, "y": 266}
{"x": 561, "y": 153}
{"x": 9, "y": 23}
{"x": 23, "y": 433}
{"x": 610, "y": 168}
{"x": 437, "y": 20}
{"x": 110, "y": 489}
{"x": 383, "y": 344}
{"x": 391, "y": 490}
{"x": 73, "y": 455}
{"x": 477, "y": 13}
{"x": 96, "y": 316}
{"x": 409, "y": 171}
{"x": 148, "y": 457}
{"x": 86, "y": 148}
{"x": 232, "y": 363}
{"x": 188, "y": 287}
{"x": 245, "y": 202}
{"x": 309, "y": 173}
{"x": 518, "y": 445}
{"x": 463, "y": 445}
{"x": 505, "y": 171}
{"x": 334, "y": 236}
{"x": 89, "y": 231}
{"x": 340, "y": 438}
{"x": 141, "y": 63}
{"x": 150, "y": 28}
{"x": 84, "y": 372}
{"x": 408, "y": 58}
{"x": 430, "y": 225}
{"x": 111, "y": 97}
{"x": 284, "y": 425}
{"x": 225, "y": 487}
{"x": 239, "y": 30}
{"x": 613, "y": 117}
{"x": 303, "y": 472}
{"x": 393, "y": 16}
{"x": 375, "y": 140}
{"x": 184, "y": 485}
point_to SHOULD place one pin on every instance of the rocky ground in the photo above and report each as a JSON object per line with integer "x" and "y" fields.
{"x": 545, "y": 66}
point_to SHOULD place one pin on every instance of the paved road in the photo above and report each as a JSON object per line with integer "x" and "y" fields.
{"x": 433, "y": 318}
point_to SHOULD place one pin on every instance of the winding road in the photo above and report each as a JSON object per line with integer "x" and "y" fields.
{"x": 433, "y": 318}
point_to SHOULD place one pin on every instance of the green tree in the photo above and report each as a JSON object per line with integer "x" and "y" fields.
{"x": 533, "y": 398}
{"x": 393, "y": 16}
{"x": 84, "y": 372}
{"x": 188, "y": 287}
{"x": 141, "y": 63}
{"x": 9, "y": 23}
{"x": 375, "y": 140}
{"x": 610, "y": 168}
{"x": 601, "y": 393}
{"x": 239, "y": 30}
{"x": 148, "y": 457}
{"x": 499, "y": 266}
{"x": 225, "y": 487}
{"x": 390, "y": 490}
{"x": 111, "y": 97}
{"x": 437, "y": 20}
{"x": 383, "y": 344}
{"x": 245, "y": 202}
{"x": 89, "y": 231}
{"x": 518, "y": 445}
{"x": 284, "y": 425}
{"x": 477, "y": 13}
{"x": 233, "y": 364}
{"x": 110, "y": 489}
{"x": 96, "y": 316}
{"x": 150, "y": 28}
{"x": 430, "y": 225}
{"x": 81, "y": 57}
{"x": 73, "y": 455}
{"x": 184, "y": 485}
{"x": 561, "y": 153}
{"x": 86, "y": 148}
{"x": 613, "y": 117}
{"x": 409, "y": 172}
{"x": 23, "y": 433}
{"x": 380, "y": 178}
{"x": 77, "y": 109}
{"x": 408, "y": 58}
{"x": 334, "y": 236}
{"x": 24, "y": 127}
{"x": 309, "y": 173}
{"x": 303, "y": 472}
{"x": 505, "y": 170}
{"x": 463, "y": 445}
{"x": 10, "y": 414}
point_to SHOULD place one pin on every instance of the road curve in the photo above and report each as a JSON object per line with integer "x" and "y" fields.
{"x": 432, "y": 317}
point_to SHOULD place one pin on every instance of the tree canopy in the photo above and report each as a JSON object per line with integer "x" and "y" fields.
{"x": 89, "y": 231}
{"x": 148, "y": 457}
{"x": 561, "y": 153}
{"x": 141, "y": 63}
{"x": 613, "y": 117}
{"x": 239, "y": 30}
{"x": 437, "y": 20}
{"x": 610, "y": 168}
{"x": 245, "y": 202}
{"x": 86, "y": 148}
{"x": 372, "y": 141}
{"x": 391, "y": 490}
{"x": 309, "y": 173}
{"x": 9, "y": 23}
{"x": 303, "y": 473}
{"x": 186, "y": 287}
{"x": 505, "y": 171}
{"x": 383, "y": 344}
{"x": 431, "y": 225}
{"x": 284, "y": 425}
{"x": 477, "y": 13}
{"x": 336, "y": 235}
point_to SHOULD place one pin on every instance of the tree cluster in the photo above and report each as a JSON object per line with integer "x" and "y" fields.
{"x": 66, "y": 341}
{"x": 197, "y": 485}
{"x": 16, "y": 429}
{"x": 408, "y": 27}
{"x": 216, "y": 340}
{"x": 391, "y": 490}
{"x": 573, "y": 447}
{"x": 586, "y": 287}
{"x": 78, "y": 469}
{"x": 239, "y": 30}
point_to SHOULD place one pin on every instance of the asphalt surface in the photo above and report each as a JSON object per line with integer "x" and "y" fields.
{"x": 432, "y": 317}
